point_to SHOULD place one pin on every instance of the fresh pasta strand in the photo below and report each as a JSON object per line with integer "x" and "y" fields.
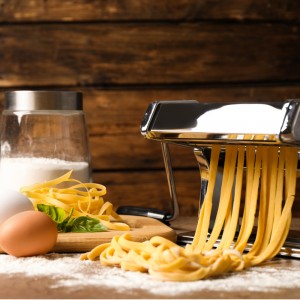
{"x": 251, "y": 208}
{"x": 270, "y": 184}
{"x": 228, "y": 236}
{"x": 263, "y": 209}
{"x": 85, "y": 199}
{"x": 225, "y": 197}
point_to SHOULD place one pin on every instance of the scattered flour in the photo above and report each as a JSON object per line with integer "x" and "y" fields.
{"x": 67, "y": 271}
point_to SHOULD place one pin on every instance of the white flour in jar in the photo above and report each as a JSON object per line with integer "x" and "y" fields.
{"x": 21, "y": 171}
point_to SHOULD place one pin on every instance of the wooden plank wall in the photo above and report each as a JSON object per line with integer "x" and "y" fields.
{"x": 124, "y": 54}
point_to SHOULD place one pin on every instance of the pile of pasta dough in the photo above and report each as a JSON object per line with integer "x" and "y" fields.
{"x": 258, "y": 183}
{"x": 82, "y": 199}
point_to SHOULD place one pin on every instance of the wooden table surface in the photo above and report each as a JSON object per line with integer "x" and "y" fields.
{"x": 65, "y": 276}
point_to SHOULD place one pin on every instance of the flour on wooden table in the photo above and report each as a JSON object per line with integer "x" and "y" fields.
{"x": 69, "y": 272}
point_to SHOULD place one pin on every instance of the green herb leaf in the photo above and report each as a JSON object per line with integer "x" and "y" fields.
{"x": 62, "y": 227}
{"x": 57, "y": 214}
{"x": 69, "y": 224}
{"x": 85, "y": 224}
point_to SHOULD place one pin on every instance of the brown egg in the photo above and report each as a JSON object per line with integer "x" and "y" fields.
{"x": 28, "y": 233}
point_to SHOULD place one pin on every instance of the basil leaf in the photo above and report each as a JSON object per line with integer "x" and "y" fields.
{"x": 57, "y": 214}
{"x": 62, "y": 227}
{"x": 67, "y": 223}
{"x": 85, "y": 224}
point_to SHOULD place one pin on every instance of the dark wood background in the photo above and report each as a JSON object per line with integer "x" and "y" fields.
{"x": 124, "y": 54}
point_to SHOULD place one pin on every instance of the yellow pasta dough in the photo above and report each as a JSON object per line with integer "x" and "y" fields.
{"x": 85, "y": 199}
{"x": 269, "y": 175}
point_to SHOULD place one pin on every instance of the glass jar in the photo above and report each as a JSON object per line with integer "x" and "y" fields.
{"x": 43, "y": 136}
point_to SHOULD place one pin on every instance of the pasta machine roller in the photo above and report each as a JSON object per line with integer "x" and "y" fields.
{"x": 199, "y": 125}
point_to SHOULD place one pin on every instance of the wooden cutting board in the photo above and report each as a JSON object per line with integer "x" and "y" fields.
{"x": 142, "y": 228}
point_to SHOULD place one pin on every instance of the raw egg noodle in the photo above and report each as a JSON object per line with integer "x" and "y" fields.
{"x": 269, "y": 176}
{"x": 86, "y": 199}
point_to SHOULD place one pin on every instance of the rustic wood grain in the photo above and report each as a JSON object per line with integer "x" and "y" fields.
{"x": 131, "y": 54}
{"x": 150, "y": 189}
{"x": 147, "y": 10}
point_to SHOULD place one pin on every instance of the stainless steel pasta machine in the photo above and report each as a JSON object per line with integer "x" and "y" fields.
{"x": 199, "y": 125}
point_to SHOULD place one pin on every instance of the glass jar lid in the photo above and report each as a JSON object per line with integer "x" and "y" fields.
{"x": 43, "y": 100}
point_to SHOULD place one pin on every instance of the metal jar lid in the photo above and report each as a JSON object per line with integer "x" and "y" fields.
{"x": 43, "y": 100}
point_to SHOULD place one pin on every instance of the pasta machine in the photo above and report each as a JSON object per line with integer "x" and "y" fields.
{"x": 199, "y": 125}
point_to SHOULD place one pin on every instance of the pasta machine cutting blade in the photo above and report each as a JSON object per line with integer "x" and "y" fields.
{"x": 199, "y": 125}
